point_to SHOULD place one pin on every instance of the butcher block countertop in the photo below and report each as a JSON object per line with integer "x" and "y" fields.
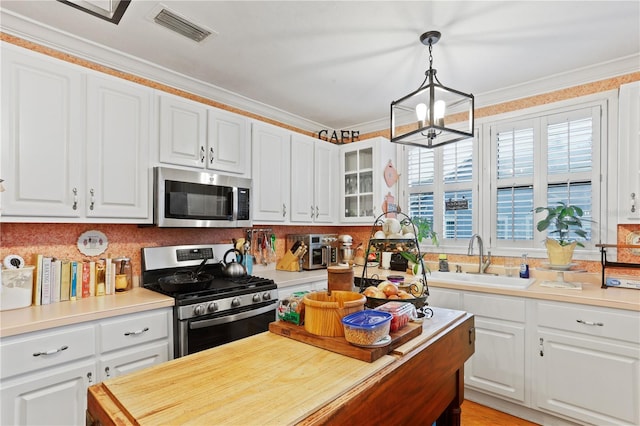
{"x": 35, "y": 318}
{"x": 269, "y": 379}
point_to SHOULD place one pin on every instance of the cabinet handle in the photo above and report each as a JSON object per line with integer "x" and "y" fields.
{"x": 633, "y": 202}
{"x": 75, "y": 198}
{"x": 107, "y": 371}
{"x": 317, "y": 212}
{"x": 135, "y": 333}
{"x": 312, "y": 212}
{"x": 202, "y": 154}
{"x": 90, "y": 377}
{"x": 599, "y": 324}
{"x": 284, "y": 210}
{"x": 51, "y": 351}
{"x": 541, "y": 346}
{"x": 93, "y": 201}
{"x": 211, "y": 155}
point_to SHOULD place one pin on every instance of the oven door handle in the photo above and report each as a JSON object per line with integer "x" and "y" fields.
{"x": 230, "y": 318}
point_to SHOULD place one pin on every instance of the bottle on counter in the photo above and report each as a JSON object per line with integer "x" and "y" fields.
{"x": 524, "y": 267}
{"x": 443, "y": 263}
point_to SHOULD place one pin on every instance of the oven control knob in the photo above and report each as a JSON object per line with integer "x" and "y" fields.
{"x": 199, "y": 310}
{"x": 256, "y": 298}
{"x": 212, "y": 307}
{"x": 235, "y": 302}
{"x": 266, "y": 296}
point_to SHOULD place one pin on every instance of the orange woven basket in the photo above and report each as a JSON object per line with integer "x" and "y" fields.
{"x": 324, "y": 311}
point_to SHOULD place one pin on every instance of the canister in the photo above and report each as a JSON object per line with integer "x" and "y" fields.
{"x": 340, "y": 278}
{"x": 123, "y": 273}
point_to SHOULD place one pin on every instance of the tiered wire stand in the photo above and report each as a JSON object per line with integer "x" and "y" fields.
{"x": 396, "y": 245}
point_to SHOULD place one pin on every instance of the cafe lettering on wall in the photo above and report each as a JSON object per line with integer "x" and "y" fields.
{"x": 339, "y": 136}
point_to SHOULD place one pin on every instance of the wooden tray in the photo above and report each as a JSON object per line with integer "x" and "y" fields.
{"x": 340, "y": 344}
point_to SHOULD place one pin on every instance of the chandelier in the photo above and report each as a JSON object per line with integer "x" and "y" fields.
{"x": 433, "y": 115}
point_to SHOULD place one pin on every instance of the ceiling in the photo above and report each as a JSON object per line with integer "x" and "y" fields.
{"x": 339, "y": 64}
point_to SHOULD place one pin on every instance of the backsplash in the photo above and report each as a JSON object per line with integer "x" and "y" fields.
{"x": 60, "y": 240}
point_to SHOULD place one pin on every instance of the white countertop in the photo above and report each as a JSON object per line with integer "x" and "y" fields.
{"x": 34, "y": 318}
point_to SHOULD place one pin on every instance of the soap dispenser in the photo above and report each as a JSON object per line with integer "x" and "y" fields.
{"x": 524, "y": 267}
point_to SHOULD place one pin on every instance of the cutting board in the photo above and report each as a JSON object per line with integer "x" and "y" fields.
{"x": 340, "y": 344}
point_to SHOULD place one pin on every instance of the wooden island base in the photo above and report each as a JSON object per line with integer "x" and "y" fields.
{"x": 270, "y": 379}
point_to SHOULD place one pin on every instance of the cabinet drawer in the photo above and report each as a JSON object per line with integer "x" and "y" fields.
{"x": 133, "y": 329}
{"x": 594, "y": 321}
{"x": 46, "y": 349}
{"x": 492, "y": 306}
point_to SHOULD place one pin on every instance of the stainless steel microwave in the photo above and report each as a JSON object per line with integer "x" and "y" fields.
{"x": 194, "y": 199}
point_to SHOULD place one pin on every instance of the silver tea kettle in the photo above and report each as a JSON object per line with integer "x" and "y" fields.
{"x": 233, "y": 268}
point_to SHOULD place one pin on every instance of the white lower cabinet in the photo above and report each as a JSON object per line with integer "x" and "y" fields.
{"x": 551, "y": 362}
{"x": 53, "y": 397}
{"x": 498, "y": 364}
{"x": 45, "y": 374}
{"x": 588, "y": 363}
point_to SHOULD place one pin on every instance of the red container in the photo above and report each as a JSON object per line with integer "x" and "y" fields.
{"x": 402, "y": 313}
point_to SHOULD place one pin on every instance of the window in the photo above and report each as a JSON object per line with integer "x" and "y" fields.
{"x": 523, "y": 160}
{"x": 451, "y": 181}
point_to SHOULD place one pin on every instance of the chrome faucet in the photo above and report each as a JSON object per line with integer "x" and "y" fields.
{"x": 482, "y": 263}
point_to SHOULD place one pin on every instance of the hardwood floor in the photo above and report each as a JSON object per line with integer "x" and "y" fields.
{"x": 478, "y": 415}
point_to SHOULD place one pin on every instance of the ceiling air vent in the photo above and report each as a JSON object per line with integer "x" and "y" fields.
{"x": 177, "y": 23}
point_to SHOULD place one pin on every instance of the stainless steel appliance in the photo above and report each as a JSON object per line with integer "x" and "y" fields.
{"x": 186, "y": 198}
{"x": 345, "y": 249}
{"x": 227, "y": 309}
{"x": 321, "y": 249}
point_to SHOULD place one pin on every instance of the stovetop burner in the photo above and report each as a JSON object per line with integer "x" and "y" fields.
{"x": 158, "y": 262}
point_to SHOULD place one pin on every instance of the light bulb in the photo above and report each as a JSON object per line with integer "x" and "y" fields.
{"x": 421, "y": 113}
{"x": 439, "y": 108}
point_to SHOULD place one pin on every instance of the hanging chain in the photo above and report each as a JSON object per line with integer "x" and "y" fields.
{"x": 430, "y": 55}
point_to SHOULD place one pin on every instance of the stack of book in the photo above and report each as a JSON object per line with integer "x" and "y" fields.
{"x": 59, "y": 280}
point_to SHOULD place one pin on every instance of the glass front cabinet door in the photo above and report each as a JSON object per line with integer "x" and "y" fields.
{"x": 363, "y": 188}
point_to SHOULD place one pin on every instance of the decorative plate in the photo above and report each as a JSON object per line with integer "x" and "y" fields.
{"x": 92, "y": 243}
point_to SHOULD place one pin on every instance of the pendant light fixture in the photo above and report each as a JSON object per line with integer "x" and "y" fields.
{"x": 434, "y": 115}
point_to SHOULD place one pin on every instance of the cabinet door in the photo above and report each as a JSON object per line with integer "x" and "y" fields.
{"x": 270, "y": 173}
{"x": 629, "y": 154}
{"x": 303, "y": 206}
{"x": 183, "y": 131}
{"x": 55, "y": 397}
{"x": 228, "y": 142}
{"x": 498, "y": 363}
{"x": 326, "y": 181}
{"x": 133, "y": 359}
{"x": 42, "y": 136}
{"x": 118, "y": 129}
{"x": 588, "y": 379}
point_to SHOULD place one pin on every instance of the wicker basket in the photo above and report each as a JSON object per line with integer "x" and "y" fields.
{"x": 324, "y": 312}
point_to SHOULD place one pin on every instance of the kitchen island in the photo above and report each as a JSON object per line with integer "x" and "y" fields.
{"x": 271, "y": 379}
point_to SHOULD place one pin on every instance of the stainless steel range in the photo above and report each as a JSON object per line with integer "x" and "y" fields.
{"x": 227, "y": 309}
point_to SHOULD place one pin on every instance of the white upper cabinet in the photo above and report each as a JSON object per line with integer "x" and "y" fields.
{"x": 42, "y": 136}
{"x": 196, "y": 135}
{"x": 314, "y": 165}
{"x": 183, "y": 131}
{"x": 271, "y": 166}
{"x": 629, "y": 154}
{"x": 118, "y": 134}
{"x": 228, "y": 141}
{"x": 75, "y": 143}
{"x": 362, "y": 185}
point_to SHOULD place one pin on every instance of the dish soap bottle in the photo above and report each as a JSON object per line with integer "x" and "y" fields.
{"x": 524, "y": 267}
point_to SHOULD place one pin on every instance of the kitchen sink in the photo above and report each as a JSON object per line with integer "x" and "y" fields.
{"x": 481, "y": 280}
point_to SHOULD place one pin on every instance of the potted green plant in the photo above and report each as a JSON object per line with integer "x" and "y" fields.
{"x": 423, "y": 229}
{"x": 566, "y": 223}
